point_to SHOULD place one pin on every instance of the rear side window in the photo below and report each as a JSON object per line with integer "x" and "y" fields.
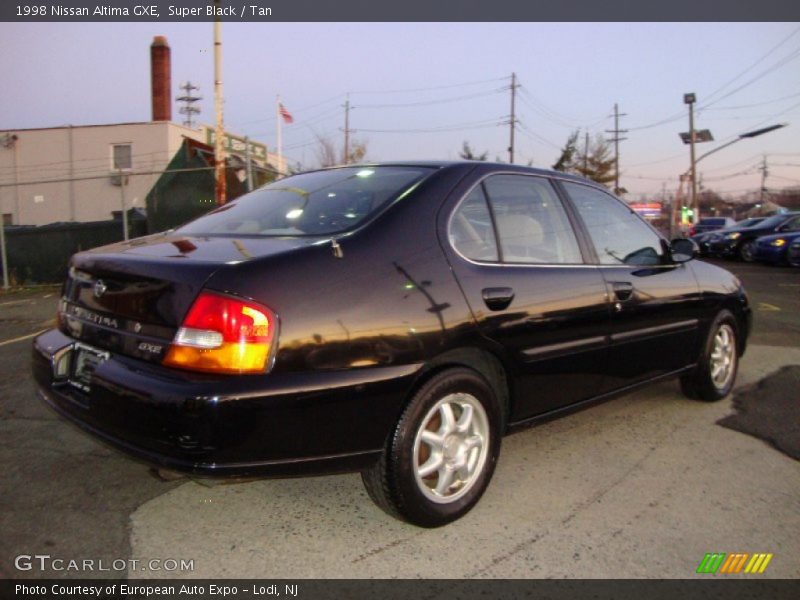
{"x": 471, "y": 230}
{"x": 618, "y": 234}
{"x": 311, "y": 204}
{"x": 532, "y": 226}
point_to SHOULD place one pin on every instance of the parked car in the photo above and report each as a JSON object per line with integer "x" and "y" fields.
{"x": 740, "y": 242}
{"x": 394, "y": 319}
{"x": 793, "y": 254}
{"x": 773, "y": 249}
{"x": 710, "y": 224}
{"x": 704, "y": 240}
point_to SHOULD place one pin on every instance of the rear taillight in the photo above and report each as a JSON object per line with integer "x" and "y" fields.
{"x": 223, "y": 334}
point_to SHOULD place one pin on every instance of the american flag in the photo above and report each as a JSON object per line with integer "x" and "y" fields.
{"x": 287, "y": 117}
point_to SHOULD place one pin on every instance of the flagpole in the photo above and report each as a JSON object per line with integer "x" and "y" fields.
{"x": 280, "y": 149}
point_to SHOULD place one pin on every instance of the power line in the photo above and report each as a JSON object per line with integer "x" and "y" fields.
{"x": 752, "y": 66}
{"x": 431, "y": 102}
{"x": 535, "y": 136}
{"x": 552, "y": 115}
{"x": 774, "y": 101}
{"x": 781, "y": 63}
{"x": 425, "y": 89}
{"x": 455, "y": 127}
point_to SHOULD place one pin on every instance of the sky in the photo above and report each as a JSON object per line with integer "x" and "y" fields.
{"x": 419, "y": 90}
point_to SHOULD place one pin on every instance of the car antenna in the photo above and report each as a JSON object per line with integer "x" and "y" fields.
{"x": 337, "y": 249}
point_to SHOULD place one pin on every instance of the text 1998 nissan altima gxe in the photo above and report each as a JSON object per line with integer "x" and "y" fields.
{"x": 396, "y": 319}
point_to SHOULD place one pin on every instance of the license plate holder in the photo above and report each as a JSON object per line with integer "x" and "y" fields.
{"x": 86, "y": 359}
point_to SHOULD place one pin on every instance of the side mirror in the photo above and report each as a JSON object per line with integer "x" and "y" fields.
{"x": 683, "y": 250}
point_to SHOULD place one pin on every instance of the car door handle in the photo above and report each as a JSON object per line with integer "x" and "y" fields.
{"x": 623, "y": 290}
{"x": 497, "y": 298}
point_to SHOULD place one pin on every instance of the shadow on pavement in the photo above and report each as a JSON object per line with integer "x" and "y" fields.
{"x": 770, "y": 410}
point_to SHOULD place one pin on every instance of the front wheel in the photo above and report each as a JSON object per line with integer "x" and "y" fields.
{"x": 715, "y": 373}
{"x": 442, "y": 452}
{"x": 747, "y": 251}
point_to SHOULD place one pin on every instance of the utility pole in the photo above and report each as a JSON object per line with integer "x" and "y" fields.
{"x": 764, "y": 173}
{"x": 690, "y": 99}
{"x": 9, "y": 141}
{"x": 220, "y": 193}
{"x": 513, "y": 121}
{"x": 249, "y": 163}
{"x": 3, "y": 248}
{"x": 346, "y": 159}
{"x": 188, "y": 99}
{"x": 616, "y": 139}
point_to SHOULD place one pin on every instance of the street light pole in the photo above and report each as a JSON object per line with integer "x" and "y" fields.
{"x": 740, "y": 137}
{"x": 690, "y": 100}
{"x": 692, "y": 135}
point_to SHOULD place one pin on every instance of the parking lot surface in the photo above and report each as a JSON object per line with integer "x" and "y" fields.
{"x": 642, "y": 486}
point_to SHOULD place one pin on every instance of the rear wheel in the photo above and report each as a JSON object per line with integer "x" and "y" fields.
{"x": 715, "y": 374}
{"x": 442, "y": 453}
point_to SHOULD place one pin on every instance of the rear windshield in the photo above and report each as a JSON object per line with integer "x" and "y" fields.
{"x": 311, "y": 204}
{"x": 713, "y": 221}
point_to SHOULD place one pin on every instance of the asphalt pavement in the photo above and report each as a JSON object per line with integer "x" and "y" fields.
{"x": 642, "y": 486}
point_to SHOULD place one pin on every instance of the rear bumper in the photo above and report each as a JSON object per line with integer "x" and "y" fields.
{"x": 277, "y": 424}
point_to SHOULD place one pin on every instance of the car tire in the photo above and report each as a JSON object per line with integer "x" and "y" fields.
{"x": 747, "y": 251}
{"x": 441, "y": 455}
{"x": 713, "y": 377}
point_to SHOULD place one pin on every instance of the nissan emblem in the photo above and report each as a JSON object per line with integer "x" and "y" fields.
{"x": 99, "y": 288}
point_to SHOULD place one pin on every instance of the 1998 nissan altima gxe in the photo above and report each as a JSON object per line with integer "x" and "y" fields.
{"x": 396, "y": 319}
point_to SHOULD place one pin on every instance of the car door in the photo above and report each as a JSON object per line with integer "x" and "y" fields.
{"x": 655, "y": 302}
{"x": 520, "y": 264}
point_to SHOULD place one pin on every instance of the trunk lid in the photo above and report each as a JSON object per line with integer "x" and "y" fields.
{"x": 131, "y": 297}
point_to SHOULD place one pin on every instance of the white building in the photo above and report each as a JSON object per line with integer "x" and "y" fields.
{"x": 73, "y": 173}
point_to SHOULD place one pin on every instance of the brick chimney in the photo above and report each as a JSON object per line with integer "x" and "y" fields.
{"x": 161, "y": 79}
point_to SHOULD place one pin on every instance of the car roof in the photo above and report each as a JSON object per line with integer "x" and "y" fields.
{"x": 487, "y": 165}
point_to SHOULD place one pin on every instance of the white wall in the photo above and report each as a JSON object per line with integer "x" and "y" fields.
{"x": 81, "y": 153}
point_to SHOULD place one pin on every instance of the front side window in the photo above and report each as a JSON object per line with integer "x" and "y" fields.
{"x": 618, "y": 234}
{"x": 311, "y": 204}
{"x": 532, "y": 226}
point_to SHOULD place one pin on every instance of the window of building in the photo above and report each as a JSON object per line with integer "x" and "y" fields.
{"x": 618, "y": 234}
{"x": 121, "y": 157}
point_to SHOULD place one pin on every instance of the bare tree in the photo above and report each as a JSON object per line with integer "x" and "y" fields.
{"x": 467, "y": 153}
{"x": 328, "y": 155}
{"x": 326, "y": 151}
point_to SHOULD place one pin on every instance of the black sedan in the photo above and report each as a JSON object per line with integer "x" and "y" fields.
{"x": 705, "y": 239}
{"x": 396, "y": 319}
{"x": 740, "y": 242}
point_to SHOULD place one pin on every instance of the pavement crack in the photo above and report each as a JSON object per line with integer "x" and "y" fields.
{"x": 379, "y": 549}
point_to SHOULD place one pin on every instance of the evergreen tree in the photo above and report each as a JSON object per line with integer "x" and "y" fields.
{"x": 565, "y": 162}
{"x": 598, "y": 164}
